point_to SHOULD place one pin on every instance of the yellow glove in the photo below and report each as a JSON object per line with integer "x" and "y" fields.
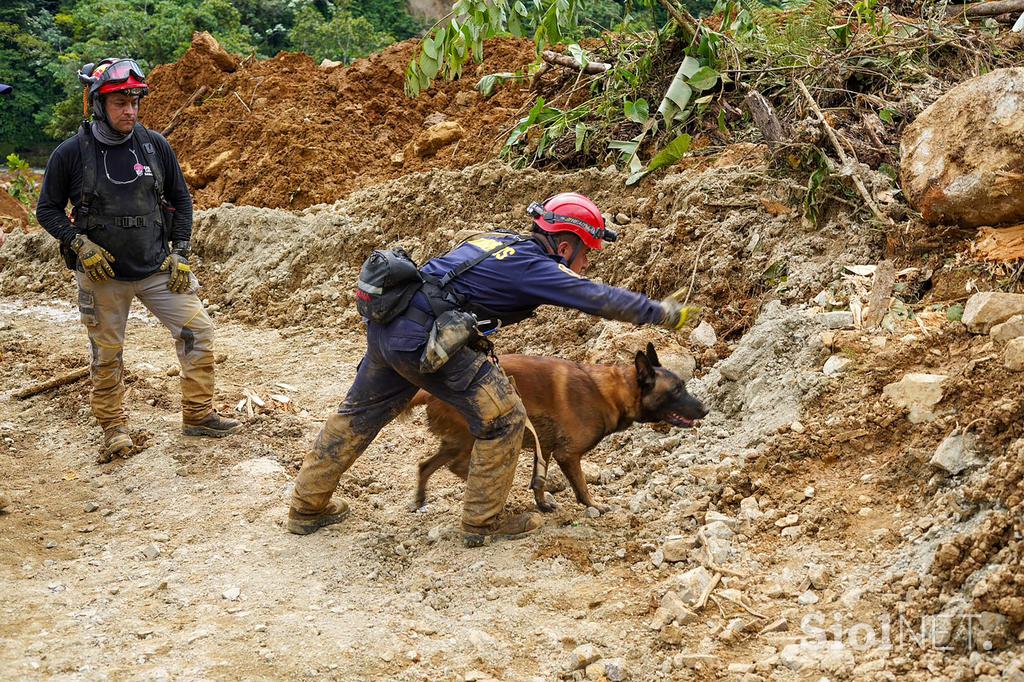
{"x": 676, "y": 314}
{"x": 181, "y": 272}
{"x": 94, "y": 258}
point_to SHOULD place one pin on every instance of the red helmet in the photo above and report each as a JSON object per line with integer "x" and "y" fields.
{"x": 572, "y": 212}
{"x": 114, "y": 75}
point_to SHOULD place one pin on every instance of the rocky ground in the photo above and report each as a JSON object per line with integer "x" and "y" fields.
{"x": 792, "y": 535}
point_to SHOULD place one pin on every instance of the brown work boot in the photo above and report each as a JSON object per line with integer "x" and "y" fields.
{"x": 304, "y": 524}
{"x": 510, "y": 528}
{"x": 116, "y": 440}
{"x": 214, "y": 426}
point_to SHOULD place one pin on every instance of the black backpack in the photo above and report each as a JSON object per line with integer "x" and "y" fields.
{"x": 389, "y": 279}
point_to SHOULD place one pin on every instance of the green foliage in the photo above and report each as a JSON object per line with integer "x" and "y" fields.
{"x": 336, "y": 34}
{"x": 389, "y": 17}
{"x": 23, "y": 186}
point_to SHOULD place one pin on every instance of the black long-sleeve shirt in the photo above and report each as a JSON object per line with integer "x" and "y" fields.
{"x": 62, "y": 182}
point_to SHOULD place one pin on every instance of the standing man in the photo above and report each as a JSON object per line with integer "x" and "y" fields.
{"x": 127, "y": 237}
{"x": 501, "y": 278}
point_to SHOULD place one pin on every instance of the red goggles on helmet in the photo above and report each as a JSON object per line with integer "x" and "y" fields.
{"x": 121, "y": 70}
{"x": 536, "y": 210}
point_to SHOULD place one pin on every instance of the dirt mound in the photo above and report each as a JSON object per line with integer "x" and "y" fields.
{"x": 287, "y": 133}
{"x": 12, "y": 213}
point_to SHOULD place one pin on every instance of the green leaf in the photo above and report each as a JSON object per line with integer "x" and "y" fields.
{"x": 704, "y": 79}
{"x": 637, "y": 111}
{"x": 624, "y": 146}
{"x": 677, "y": 97}
{"x": 666, "y": 157}
{"x": 578, "y": 54}
{"x": 955, "y": 313}
{"x": 430, "y": 48}
{"x": 581, "y": 134}
{"x": 706, "y": 99}
{"x": 428, "y": 65}
{"x": 722, "y": 128}
{"x": 412, "y": 80}
{"x": 840, "y": 33}
{"x": 887, "y": 115}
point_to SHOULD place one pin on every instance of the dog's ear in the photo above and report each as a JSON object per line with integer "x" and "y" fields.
{"x": 645, "y": 375}
{"x": 652, "y": 356}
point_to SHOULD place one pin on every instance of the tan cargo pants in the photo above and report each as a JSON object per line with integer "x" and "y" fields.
{"x": 104, "y": 308}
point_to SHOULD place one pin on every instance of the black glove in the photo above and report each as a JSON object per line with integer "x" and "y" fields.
{"x": 94, "y": 258}
{"x": 177, "y": 265}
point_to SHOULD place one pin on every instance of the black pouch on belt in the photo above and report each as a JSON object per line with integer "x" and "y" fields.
{"x": 451, "y": 331}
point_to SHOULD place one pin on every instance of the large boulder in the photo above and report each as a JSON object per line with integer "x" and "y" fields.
{"x": 988, "y": 308}
{"x": 962, "y": 159}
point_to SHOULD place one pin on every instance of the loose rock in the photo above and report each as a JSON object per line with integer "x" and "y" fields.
{"x": 917, "y": 392}
{"x": 1005, "y": 332}
{"x": 582, "y": 656}
{"x": 989, "y": 308}
{"x": 703, "y": 335}
{"x": 1013, "y": 355}
{"x": 955, "y": 454}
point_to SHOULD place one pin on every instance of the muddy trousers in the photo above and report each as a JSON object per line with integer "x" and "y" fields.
{"x": 104, "y": 308}
{"x": 387, "y": 378}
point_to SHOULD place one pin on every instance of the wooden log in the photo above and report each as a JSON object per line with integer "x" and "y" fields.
{"x": 987, "y": 9}
{"x": 200, "y": 92}
{"x": 1009, "y": 19}
{"x": 50, "y": 384}
{"x": 568, "y": 62}
{"x": 881, "y": 292}
{"x": 764, "y": 117}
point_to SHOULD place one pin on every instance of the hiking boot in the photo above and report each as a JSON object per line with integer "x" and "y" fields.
{"x": 116, "y": 440}
{"x": 214, "y": 426}
{"x": 303, "y": 524}
{"x": 510, "y": 528}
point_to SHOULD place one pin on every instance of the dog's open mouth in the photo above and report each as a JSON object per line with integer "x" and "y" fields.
{"x": 676, "y": 419}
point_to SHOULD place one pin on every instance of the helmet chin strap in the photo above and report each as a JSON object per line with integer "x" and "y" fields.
{"x": 551, "y": 244}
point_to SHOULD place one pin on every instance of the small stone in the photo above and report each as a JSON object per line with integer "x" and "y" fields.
{"x": 778, "y": 625}
{"x": 795, "y": 658}
{"x": 807, "y": 598}
{"x": 691, "y": 585}
{"x": 809, "y": 492}
{"x": 955, "y": 454}
{"x": 582, "y": 656}
{"x": 592, "y": 513}
{"x": 988, "y": 308}
{"x": 719, "y": 549}
{"x": 1013, "y": 355}
{"x": 621, "y": 219}
{"x": 788, "y": 520}
{"x": 749, "y": 509}
{"x": 917, "y": 392}
{"x": 173, "y": 371}
{"x": 741, "y": 668}
{"x": 1009, "y": 330}
{"x": 677, "y": 609}
{"x": 703, "y": 335}
{"x": 797, "y": 427}
{"x": 151, "y": 551}
{"x": 412, "y": 655}
{"x": 838, "y": 319}
{"x": 614, "y": 669}
{"x": 398, "y": 159}
{"x": 792, "y": 532}
{"x": 717, "y": 529}
{"x": 50, "y": 544}
{"x": 818, "y": 575}
{"x": 836, "y": 364}
{"x": 91, "y": 507}
{"x": 676, "y": 549}
{"x": 232, "y": 593}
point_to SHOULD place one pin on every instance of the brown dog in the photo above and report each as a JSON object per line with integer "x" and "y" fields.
{"x": 572, "y": 407}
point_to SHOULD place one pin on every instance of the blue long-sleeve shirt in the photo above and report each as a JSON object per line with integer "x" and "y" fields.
{"x": 525, "y": 276}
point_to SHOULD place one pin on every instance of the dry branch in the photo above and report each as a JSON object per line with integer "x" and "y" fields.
{"x": 764, "y": 117}
{"x": 570, "y": 63}
{"x": 987, "y": 9}
{"x": 681, "y": 17}
{"x": 200, "y": 92}
{"x": 858, "y": 183}
{"x": 50, "y": 384}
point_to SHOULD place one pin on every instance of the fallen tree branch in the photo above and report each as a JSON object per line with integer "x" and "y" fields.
{"x": 200, "y": 92}
{"x": 987, "y": 9}
{"x": 50, "y": 384}
{"x": 682, "y": 17}
{"x": 857, "y": 181}
{"x": 707, "y": 592}
{"x": 571, "y": 63}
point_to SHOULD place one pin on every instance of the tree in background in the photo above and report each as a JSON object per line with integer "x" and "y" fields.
{"x": 335, "y": 33}
{"x": 29, "y": 47}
